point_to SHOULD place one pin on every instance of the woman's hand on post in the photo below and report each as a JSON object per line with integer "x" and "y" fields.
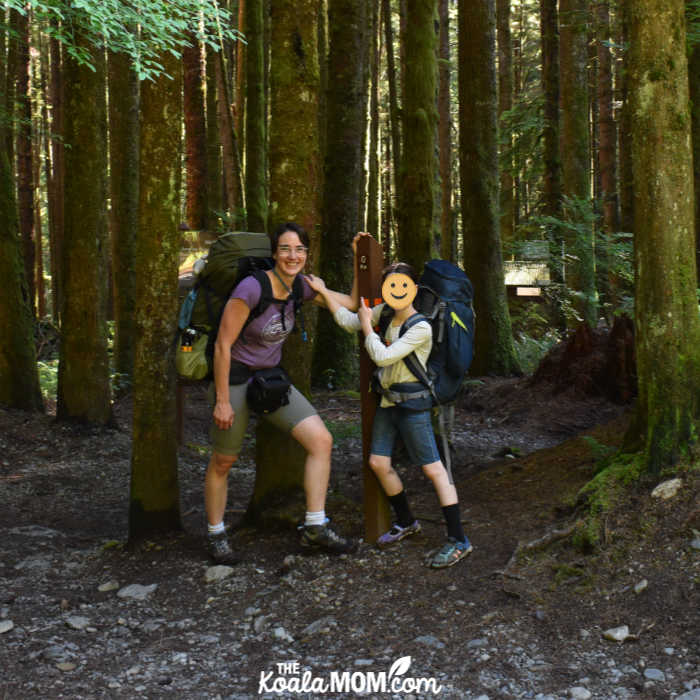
{"x": 223, "y": 415}
{"x": 356, "y": 239}
{"x": 316, "y": 283}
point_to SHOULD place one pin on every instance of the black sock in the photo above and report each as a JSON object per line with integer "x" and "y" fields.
{"x": 399, "y": 503}
{"x": 454, "y": 522}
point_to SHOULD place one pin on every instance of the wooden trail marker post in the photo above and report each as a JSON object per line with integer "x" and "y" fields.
{"x": 370, "y": 263}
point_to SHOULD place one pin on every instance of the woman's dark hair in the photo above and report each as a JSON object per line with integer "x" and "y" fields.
{"x": 283, "y": 228}
{"x": 399, "y": 268}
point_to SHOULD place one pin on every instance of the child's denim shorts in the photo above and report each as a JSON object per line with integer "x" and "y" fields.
{"x": 415, "y": 428}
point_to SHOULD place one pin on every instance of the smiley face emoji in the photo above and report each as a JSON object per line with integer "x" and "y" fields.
{"x": 399, "y": 290}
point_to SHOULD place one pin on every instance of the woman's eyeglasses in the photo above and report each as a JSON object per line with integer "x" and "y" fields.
{"x": 287, "y": 250}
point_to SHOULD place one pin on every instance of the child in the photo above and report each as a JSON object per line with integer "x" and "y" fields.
{"x": 399, "y": 289}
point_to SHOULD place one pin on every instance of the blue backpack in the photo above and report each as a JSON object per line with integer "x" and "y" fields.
{"x": 445, "y": 300}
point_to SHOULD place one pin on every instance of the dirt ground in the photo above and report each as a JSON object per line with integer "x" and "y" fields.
{"x": 280, "y": 624}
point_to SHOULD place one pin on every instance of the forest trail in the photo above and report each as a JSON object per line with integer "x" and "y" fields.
{"x": 83, "y": 616}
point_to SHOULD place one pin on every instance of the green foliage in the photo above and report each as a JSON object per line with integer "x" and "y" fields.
{"x": 343, "y": 430}
{"x": 599, "y": 451}
{"x": 48, "y": 378}
{"x": 692, "y": 15}
{"x": 111, "y": 24}
{"x": 530, "y": 350}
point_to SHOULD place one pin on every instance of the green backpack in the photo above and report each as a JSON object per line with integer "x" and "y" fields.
{"x": 232, "y": 256}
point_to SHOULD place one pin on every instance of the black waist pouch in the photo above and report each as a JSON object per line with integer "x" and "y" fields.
{"x": 268, "y": 390}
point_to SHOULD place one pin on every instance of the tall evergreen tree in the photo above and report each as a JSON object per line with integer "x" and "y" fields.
{"x": 419, "y": 121}
{"x": 667, "y": 325}
{"x": 83, "y": 372}
{"x": 447, "y": 223}
{"x": 336, "y": 350}
{"x": 505, "y": 103}
{"x": 195, "y": 135}
{"x": 154, "y": 497}
{"x": 295, "y": 185}
{"x": 576, "y": 153}
{"x": 19, "y": 379}
{"x": 124, "y": 192}
{"x": 255, "y": 117}
{"x": 693, "y": 11}
{"x": 478, "y": 129}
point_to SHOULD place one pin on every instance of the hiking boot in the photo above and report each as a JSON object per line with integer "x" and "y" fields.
{"x": 220, "y": 550}
{"x": 397, "y": 533}
{"x": 323, "y": 537}
{"x": 451, "y": 552}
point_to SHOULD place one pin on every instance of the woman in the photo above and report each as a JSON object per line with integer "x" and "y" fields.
{"x": 256, "y": 346}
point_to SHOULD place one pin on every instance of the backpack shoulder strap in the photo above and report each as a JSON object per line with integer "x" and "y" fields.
{"x": 411, "y": 361}
{"x": 385, "y": 316}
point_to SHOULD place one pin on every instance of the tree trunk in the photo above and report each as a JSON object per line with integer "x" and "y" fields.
{"x": 394, "y": 119}
{"x": 505, "y": 103}
{"x": 57, "y": 180}
{"x": 576, "y": 153}
{"x": 550, "y": 86}
{"x": 154, "y": 496}
{"x": 419, "y": 117}
{"x": 25, "y": 171}
{"x": 694, "y": 83}
{"x": 195, "y": 135}
{"x": 624, "y": 139}
{"x": 295, "y": 184}
{"x": 607, "y": 137}
{"x": 215, "y": 184}
{"x": 255, "y": 118}
{"x": 478, "y": 129}
{"x": 83, "y": 372}
{"x": 447, "y": 251}
{"x": 335, "y": 349}
{"x": 373, "y": 181}
{"x": 667, "y": 326}
{"x": 124, "y": 191}
{"x": 19, "y": 379}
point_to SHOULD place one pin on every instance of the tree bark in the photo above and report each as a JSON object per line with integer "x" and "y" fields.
{"x": 550, "y": 86}
{"x": 576, "y": 154}
{"x": 667, "y": 326}
{"x": 124, "y": 191}
{"x": 195, "y": 135}
{"x": 19, "y": 379}
{"x": 295, "y": 184}
{"x": 335, "y": 350}
{"x": 83, "y": 372}
{"x": 447, "y": 249}
{"x": 505, "y": 103}
{"x": 478, "y": 128}
{"x": 373, "y": 180}
{"x": 25, "y": 170}
{"x": 694, "y": 84}
{"x": 419, "y": 121}
{"x": 215, "y": 183}
{"x": 154, "y": 494}
{"x": 255, "y": 118}
{"x": 394, "y": 120}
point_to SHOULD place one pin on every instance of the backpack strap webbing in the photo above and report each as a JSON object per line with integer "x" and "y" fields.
{"x": 267, "y": 298}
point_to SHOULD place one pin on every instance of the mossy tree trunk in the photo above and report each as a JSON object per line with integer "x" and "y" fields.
{"x": 295, "y": 186}
{"x": 694, "y": 82}
{"x": 667, "y": 326}
{"x": 124, "y": 191}
{"x": 154, "y": 497}
{"x": 19, "y": 379}
{"x": 392, "y": 80}
{"x": 576, "y": 153}
{"x": 478, "y": 128}
{"x": 255, "y": 117}
{"x": 419, "y": 122}
{"x": 334, "y": 349}
{"x": 83, "y": 371}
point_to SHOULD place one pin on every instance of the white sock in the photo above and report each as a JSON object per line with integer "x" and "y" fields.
{"x": 315, "y": 518}
{"x": 216, "y": 529}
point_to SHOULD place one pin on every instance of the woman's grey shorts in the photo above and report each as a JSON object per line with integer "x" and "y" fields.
{"x": 229, "y": 442}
